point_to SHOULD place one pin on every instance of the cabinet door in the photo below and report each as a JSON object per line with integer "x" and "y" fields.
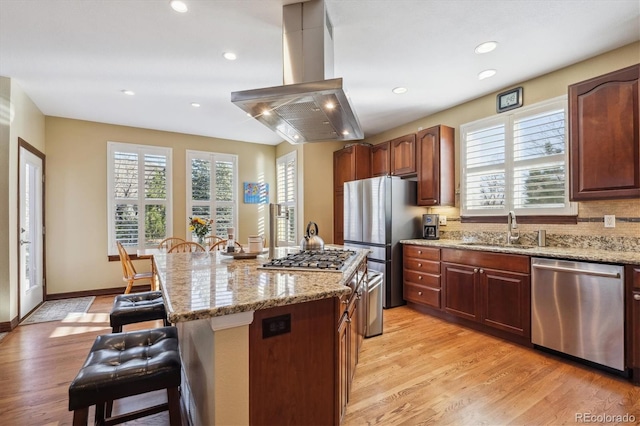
{"x": 506, "y": 301}
{"x": 352, "y": 332}
{"x": 343, "y": 366}
{"x": 343, "y": 167}
{"x": 380, "y": 159}
{"x": 403, "y": 155}
{"x": 435, "y": 163}
{"x": 460, "y": 291}
{"x": 635, "y": 326}
{"x": 604, "y": 136}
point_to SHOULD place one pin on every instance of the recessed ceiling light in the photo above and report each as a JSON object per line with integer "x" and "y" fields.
{"x": 329, "y": 105}
{"x": 399, "y": 90}
{"x": 296, "y": 136}
{"x": 230, "y": 56}
{"x": 345, "y": 132}
{"x": 195, "y": 104}
{"x": 128, "y": 92}
{"x": 486, "y": 47}
{"x": 266, "y": 112}
{"x": 486, "y": 74}
{"x": 178, "y": 6}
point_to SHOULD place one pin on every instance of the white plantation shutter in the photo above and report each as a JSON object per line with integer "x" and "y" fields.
{"x": 212, "y": 180}
{"x": 139, "y": 181}
{"x": 517, "y": 161}
{"x": 286, "y": 178}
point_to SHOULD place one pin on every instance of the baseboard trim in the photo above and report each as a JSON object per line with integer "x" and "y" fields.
{"x": 8, "y": 325}
{"x": 98, "y": 292}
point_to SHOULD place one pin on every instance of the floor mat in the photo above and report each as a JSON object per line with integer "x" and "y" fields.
{"x": 54, "y": 310}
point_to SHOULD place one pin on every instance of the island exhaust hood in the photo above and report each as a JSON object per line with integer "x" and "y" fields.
{"x": 311, "y": 106}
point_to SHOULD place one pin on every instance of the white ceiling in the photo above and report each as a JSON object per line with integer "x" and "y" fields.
{"x": 73, "y": 57}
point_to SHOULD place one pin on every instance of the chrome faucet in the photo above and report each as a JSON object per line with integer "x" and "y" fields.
{"x": 512, "y": 225}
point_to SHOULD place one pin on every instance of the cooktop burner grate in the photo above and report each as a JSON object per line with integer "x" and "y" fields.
{"x": 311, "y": 260}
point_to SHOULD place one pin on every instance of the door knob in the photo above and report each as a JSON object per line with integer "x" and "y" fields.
{"x": 636, "y": 296}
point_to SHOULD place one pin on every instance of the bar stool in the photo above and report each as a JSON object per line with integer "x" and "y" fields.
{"x": 126, "y": 364}
{"x": 137, "y": 307}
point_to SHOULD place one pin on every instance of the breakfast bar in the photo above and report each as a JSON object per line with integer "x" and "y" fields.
{"x": 251, "y": 339}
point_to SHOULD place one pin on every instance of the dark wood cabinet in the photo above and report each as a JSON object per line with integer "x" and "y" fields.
{"x": 380, "y": 159}
{"x": 436, "y": 170}
{"x": 634, "y": 328}
{"x": 403, "y": 156}
{"x": 351, "y": 330}
{"x": 350, "y": 163}
{"x": 421, "y": 275}
{"x": 490, "y": 288}
{"x": 604, "y": 136}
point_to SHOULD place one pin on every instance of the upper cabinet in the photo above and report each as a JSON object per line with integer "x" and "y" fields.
{"x": 380, "y": 159}
{"x": 403, "y": 155}
{"x": 604, "y": 136}
{"x": 436, "y": 169}
{"x": 350, "y": 163}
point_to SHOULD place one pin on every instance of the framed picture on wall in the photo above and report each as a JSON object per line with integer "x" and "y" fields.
{"x": 256, "y": 193}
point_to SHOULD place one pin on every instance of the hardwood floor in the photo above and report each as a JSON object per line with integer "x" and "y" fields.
{"x": 420, "y": 371}
{"x": 423, "y": 370}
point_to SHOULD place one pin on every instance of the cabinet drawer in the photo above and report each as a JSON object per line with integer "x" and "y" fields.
{"x": 422, "y": 294}
{"x": 428, "y": 280}
{"x": 424, "y": 266}
{"x": 421, "y": 252}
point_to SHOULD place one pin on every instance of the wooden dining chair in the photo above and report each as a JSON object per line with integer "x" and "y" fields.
{"x": 210, "y": 240}
{"x": 167, "y": 243}
{"x": 129, "y": 273}
{"x": 187, "y": 247}
{"x": 220, "y": 245}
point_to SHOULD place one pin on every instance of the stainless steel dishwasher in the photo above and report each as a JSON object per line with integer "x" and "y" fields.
{"x": 577, "y": 308}
{"x": 374, "y": 304}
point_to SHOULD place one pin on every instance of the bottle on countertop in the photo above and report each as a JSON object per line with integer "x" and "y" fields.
{"x": 231, "y": 244}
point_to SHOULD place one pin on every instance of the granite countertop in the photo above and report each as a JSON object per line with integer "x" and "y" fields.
{"x": 204, "y": 285}
{"x": 585, "y": 254}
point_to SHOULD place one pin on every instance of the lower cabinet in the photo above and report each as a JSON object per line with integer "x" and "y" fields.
{"x": 495, "y": 298}
{"x": 491, "y": 290}
{"x": 351, "y": 330}
{"x": 421, "y": 271}
{"x": 635, "y": 327}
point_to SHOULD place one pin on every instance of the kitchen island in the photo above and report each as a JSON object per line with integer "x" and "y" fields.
{"x": 257, "y": 345}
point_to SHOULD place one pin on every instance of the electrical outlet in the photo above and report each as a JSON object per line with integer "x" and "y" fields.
{"x": 609, "y": 221}
{"x": 443, "y": 220}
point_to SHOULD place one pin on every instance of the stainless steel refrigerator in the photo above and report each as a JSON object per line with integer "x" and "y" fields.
{"x": 379, "y": 212}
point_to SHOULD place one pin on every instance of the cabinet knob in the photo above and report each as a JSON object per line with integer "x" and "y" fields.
{"x": 419, "y": 293}
{"x": 482, "y": 271}
{"x": 475, "y": 270}
{"x": 344, "y": 302}
{"x": 419, "y": 251}
{"x": 348, "y": 319}
{"x": 419, "y": 277}
{"x": 636, "y": 296}
{"x": 420, "y": 265}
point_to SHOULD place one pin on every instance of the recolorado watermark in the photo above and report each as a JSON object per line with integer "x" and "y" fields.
{"x": 605, "y": 418}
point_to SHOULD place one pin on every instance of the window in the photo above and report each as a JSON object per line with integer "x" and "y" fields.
{"x": 287, "y": 182}
{"x": 212, "y": 180}
{"x": 139, "y": 195}
{"x": 517, "y": 161}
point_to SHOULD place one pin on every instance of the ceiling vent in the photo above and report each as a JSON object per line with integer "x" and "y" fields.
{"x": 311, "y": 106}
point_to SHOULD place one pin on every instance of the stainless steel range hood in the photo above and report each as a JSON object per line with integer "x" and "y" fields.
{"x": 311, "y": 106}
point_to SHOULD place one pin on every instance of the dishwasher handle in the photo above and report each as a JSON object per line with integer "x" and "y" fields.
{"x": 578, "y": 271}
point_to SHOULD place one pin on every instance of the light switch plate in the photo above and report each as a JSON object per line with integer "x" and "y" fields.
{"x": 609, "y": 221}
{"x": 443, "y": 220}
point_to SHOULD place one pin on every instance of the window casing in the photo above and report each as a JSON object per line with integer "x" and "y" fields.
{"x": 138, "y": 181}
{"x": 287, "y": 184}
{"x": 212, "y": 182}
{"x": 517, "y": 161}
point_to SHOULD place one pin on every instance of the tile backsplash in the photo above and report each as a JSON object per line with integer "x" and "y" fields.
{"x": 589, "y": 232}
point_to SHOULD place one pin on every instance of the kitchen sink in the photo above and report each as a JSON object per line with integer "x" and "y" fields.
{"x": 502, "y": 245}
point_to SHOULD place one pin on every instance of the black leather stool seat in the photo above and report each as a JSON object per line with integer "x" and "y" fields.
{"x": 137, "y": 307}
{"x": 126, "y": 364}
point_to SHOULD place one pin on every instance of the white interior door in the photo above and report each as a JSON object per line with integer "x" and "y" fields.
{"x": 31, "y": 232}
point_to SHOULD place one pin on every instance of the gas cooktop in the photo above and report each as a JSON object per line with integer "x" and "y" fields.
{"x": 311, "y": 260}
